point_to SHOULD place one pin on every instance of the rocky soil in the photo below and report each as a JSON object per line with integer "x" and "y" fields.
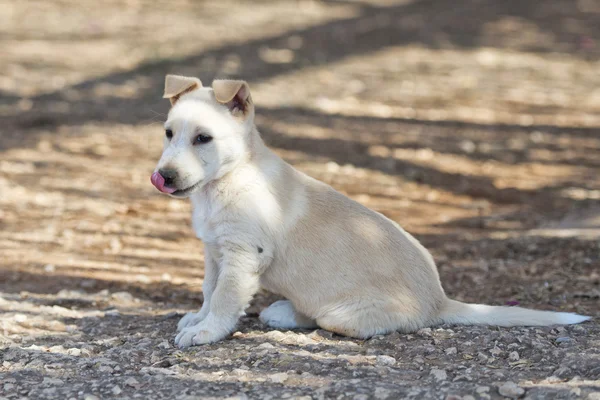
{"x": 475, "y": 126}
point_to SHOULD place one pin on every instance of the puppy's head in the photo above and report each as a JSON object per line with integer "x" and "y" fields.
{"x": 206, "y": 133}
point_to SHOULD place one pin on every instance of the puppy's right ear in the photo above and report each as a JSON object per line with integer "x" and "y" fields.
{"x": 176, "y": 86}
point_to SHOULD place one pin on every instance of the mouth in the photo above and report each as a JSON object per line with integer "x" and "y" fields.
{"x": 186, "y": 191}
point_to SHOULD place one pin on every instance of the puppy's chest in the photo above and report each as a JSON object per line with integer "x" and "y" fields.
{"x": 201, "y": 223}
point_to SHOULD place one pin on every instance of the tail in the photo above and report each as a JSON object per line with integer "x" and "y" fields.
{"x": 455, "y": 312}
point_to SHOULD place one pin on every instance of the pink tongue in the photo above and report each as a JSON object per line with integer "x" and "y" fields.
{"x": 159, "y": 182}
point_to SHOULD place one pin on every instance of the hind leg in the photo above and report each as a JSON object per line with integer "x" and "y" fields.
{"x": 283, "y": 315}
{"x": 365, "y": 319}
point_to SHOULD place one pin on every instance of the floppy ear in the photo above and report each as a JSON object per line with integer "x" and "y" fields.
{"x": 176, "y": 85}
{"x": 234, "y": 94}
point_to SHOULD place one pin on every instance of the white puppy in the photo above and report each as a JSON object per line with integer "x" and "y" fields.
{"x": 341, "y": 266}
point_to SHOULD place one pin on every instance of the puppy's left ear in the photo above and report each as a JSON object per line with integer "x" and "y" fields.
{"x": 176, "y": 86}
{"x": 235, "y": 95}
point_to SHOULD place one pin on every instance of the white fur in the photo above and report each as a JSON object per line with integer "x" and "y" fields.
{"x": 341, "y": 266}
{"x": 282, "y": 315}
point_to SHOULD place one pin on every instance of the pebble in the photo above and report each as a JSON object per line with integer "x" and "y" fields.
{"x": 385, "y": 360}
{"x": 112, "y": 313}
{"x": 482, "y": 389}
{"x": 438, "y": 374}
{"x": 74, "y": 352}
{"x": 482, "y": 357}
{"x": 90, "y": 397}
{"x": 240, "y": 372}
{"x": 563, "y": 339}
{"x": 132, "y": 382}
{"x": 511, "y": 390}
{"x": 116, "y": 390}
{"x": 495, "y": 351}
{"x": 170, "y": 315}
{"x": 562, "y": 372}
{"x": 278, "y": 378}
{"x": 453, "y": 397}
{"x": 106, "y": 368}
{"x": 52, "y": 381}
{"x": 513, "y": 356}
{"x": 122, "y": 296}
{"x": 450, "y": 351}
{"x": 424, "y": 332}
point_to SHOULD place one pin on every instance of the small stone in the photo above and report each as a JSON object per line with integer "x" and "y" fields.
{"x": 563, "y": 339}
{"x": 450, "y": 351}
{"x": 513, "y": 356}
{"x": 106, "y": 368}
{"x": 380, "y": 393}
{"x": 52, "y": 381}
{"x": 266, "y": 345}
{"x": 462, "y": 378}
{"x": 122, "y": 296}
{"x": 424, "y": 332}
{"x": 385, "y": 360}
{"x": 116, "y": 390}
{"x": 278, "y": 378}
{"x": 453, "y": 397}
{"x": 112, "y": 313}
{"x": 240, "y": 372}
{"x": 132, "y": 382}
{"x": 438, "y": 374}
{"x": 495, "y": 351}
{"x": 74, "y": 352}
{"x": 90, "y": 397}
{"x": 562, "y": 372}
{"x": 594, "y": 396}
{"x": 482, "y": 389}
{"x": 170, "y": 315}
{"x": 468, "y": 397}
{"x": 20, "y": 318}
{"x": 511, "y": 390}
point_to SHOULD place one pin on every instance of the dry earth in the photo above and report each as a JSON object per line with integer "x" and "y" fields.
{"x": 473, "y": 123}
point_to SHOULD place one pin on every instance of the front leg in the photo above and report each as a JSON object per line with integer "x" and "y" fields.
{"x": 237, "y": 283}
{"x": 209, "y": 284}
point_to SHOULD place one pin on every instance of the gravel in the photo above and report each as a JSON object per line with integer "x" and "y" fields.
{"x": 132, "y": 356}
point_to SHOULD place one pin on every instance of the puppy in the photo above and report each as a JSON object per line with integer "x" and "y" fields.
{"x": 340, "y": 265}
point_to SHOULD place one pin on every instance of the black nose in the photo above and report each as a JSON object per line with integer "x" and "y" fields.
{"x": 169, "y": 174}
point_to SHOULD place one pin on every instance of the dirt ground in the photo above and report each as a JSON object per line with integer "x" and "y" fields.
{"x": 473, "y": 123}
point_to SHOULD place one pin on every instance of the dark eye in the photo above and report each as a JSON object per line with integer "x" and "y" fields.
{"x": 201, "y": 139}
{"x": 169, "y": 134}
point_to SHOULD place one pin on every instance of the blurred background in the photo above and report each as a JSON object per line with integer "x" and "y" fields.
{"x": 472, "y": 123}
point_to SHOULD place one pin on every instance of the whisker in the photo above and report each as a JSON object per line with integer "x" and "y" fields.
{"x": 158, "y": 113}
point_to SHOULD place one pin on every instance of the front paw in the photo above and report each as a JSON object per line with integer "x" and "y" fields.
{"x": 190, "y": 319}
{"x": 201, "y": 333}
